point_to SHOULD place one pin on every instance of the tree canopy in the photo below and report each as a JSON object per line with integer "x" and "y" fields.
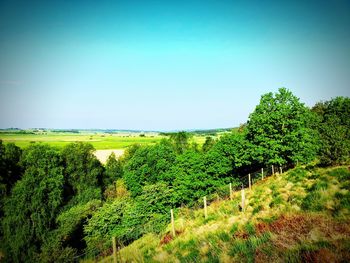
{"x": 31, "y": 210}
{"x": 280, "y": 130}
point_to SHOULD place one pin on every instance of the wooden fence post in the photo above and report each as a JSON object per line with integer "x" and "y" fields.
{"x": 172, "y": 222}
{"x": 280, "y": 169}
{"x": 205, "y": 207}
{"x": 114, "y": 249}
{"x": 230, "y": 191}
{"x": 273, "y": 170}
{"x": 250, "y": 182}
{"x": 243, "y": 199}
{"x": 262, "y": 173}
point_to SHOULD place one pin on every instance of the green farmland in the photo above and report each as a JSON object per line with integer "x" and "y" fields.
{"x": 100, "y": 141}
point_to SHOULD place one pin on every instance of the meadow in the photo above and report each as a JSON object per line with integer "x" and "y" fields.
{"x": 100, "y": 141}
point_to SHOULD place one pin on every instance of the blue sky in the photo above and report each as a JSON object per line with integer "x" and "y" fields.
{"x": 165, "y": 65}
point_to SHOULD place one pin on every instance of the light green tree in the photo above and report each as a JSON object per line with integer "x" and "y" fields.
{"x": 280, "y": 130}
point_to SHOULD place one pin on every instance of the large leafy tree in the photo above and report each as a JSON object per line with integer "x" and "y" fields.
{"x": 280, "y": 130}
{"x": 334, "y": 129}
{"x": 114, "y": 170}
{"x": 10, "y": 170}
{"x": 83, "y": 172}
{"x": 189, "y": 179}
{"x": 34, "y": 203}
{"x": 147, "y": 165}
{"x": 180, "y": 141}
{"x": 128, "y": 219}
{"x": 208, "y": 144}
{"x": 229, "y": 156}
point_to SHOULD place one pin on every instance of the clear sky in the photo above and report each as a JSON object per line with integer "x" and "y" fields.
{"x": 165, "y": 65}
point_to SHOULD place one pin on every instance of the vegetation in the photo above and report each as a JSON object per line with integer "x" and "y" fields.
{"x": 334, "y": 130}
{"x": 60, "y": 204}
{"x": 280, "y": 130}
{"x": 100, "y": 141}
{"x": 280, "y": 224}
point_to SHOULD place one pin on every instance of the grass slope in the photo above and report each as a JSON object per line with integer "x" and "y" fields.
{"x": 302, "y": 215}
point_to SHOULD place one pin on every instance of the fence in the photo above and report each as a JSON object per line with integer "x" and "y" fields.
{"x": 224, "y": 192}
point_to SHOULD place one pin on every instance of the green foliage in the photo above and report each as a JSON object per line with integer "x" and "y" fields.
{"x": 338, "y": 106}
{"x": 147, "y": 165}
{"x": 189, "y": 179}
{"x": 71, "y": 222}
{"x": 279, "y": 130}
{"x": 128, "y": 219}
{"x": 150, "y": 210}
{"x": 334, "y": 129}
{"x": 105, "y": 223}
{"x": 114, "y": 170}
{"x": 180, "y": 141}
{"x": 55, "y": 212}
{"x": 335, "y": 142}
{"x": 208, "y": 144}
{"x": 129, "y": 152}
{"x": 83, "y": 173}
{"x": 10, "y": 171}
{"x": 35, "y": 201}
{"x": 117, "y": 190}
{"x": 53, "y": 251}
{"x": 228, "y": 155}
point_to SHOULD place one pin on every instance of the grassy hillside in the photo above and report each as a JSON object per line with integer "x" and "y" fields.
{"x": 301, "y": 215}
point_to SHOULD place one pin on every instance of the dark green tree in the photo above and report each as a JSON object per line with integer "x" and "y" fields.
{"x": 10, "y": 170}
{"x": 180, "y": 141}
{"x": 334, "y": 130}
{"x": 34, "y": 203}
{"x": 129, "y": 153}
{"x": 128, "y": 219}
{"x": 231, "y": 155}
{"x": 114, "y": 170}
{"x": 83, "y": 173}
{"x": 209, "y": 142}
{"x": 147, "y": 165}
{"x": 280, "y": 130}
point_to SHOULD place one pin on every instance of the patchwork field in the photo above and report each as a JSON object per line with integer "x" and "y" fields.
{"x": 100, "y": 141}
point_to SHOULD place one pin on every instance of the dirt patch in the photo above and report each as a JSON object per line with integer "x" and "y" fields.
{"x": 319, "y": 256}
{"x": 292, "y": 229}
{"x": 166, "y": 239}
{"x": 103, "y": 155}
{"x": 169, "y": 237}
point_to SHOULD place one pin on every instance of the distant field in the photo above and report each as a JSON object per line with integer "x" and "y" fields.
{"x": 100, "y": 141}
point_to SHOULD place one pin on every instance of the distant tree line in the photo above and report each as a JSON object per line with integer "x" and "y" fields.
{"x": 58, "y": 205}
